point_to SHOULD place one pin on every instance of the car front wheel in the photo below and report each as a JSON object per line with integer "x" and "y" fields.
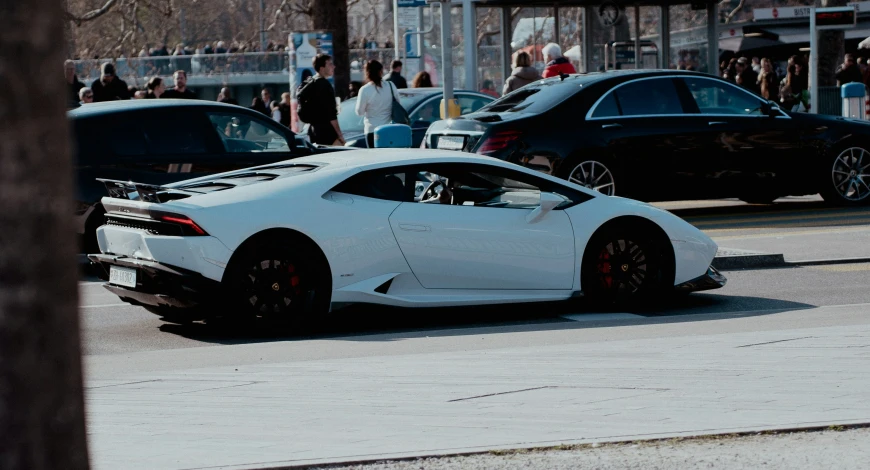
{"x": 619, "y": 265}
{"x": 846, "y": 181}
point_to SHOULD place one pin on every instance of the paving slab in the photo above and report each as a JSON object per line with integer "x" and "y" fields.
{"x": 321, "y": 411}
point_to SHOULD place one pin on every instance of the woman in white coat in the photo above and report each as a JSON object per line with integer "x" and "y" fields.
{"x": 375, "y": 101}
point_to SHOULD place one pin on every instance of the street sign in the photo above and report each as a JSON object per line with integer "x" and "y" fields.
{"x": 409, "y": 21}
{"x": 836, "y": 18}
{"x": 412, "y": 45}
{"x": 786, "y": 13}
{"x": 412, "y": 3}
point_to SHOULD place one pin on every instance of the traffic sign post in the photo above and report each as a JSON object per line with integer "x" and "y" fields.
{"x": 823, "y": 19}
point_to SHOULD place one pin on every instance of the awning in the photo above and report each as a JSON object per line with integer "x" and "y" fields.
{"x": 744, "y": 43}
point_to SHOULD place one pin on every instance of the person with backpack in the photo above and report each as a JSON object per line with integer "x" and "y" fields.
{"x": 316, "y": 104}
{"x": 375, "y": 100}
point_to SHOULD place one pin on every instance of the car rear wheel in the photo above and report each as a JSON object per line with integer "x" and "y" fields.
{"x": 847, "y": 179}
{"x": 620, "y": 266}
{"x": 276, "y": 281}
{"x": 596, "y": 174}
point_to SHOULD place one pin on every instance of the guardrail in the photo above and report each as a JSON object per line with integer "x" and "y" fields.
{"x": 140, "y": 68}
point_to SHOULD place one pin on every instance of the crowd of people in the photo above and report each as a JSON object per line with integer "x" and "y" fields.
{"x": 789, "y": 89}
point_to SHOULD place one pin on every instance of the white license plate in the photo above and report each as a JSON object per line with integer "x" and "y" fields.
{"x": 451, "y": 143}
{"x": 122, "y": 276}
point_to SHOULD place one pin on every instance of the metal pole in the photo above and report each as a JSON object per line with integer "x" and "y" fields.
{"x": 469, "y": 32}
{"x": 637, "y": 54}
{"x": 183, "y": 25}
{"x": 665, "y": 35}
{"x": 814, "y": 63}
{"x": 421, "y": 66}
{"x": 446, "y": 56}
{"x": 262, "y": 25}
{"x": 507, "y": 52}
{"x": 586, "y": 41}
{"x": 395, "y": 29}
{"x": 713, "y": 38}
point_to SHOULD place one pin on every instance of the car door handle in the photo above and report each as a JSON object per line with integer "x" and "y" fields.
{"x": 716, "y": 123}
{"x": 414, "y": 227}
{"x": 611, "y": 126}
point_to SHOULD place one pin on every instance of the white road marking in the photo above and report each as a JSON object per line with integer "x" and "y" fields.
{"x": 601, "y": 316}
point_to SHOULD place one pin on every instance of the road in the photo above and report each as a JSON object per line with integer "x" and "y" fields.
{"x": 775, "y": 348}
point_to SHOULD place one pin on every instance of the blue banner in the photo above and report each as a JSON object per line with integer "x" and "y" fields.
{"x": 306, "y": 46}
{"x": 412, "y": 3}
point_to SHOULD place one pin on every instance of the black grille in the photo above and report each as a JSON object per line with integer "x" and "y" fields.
{"x": 153, "y": 227}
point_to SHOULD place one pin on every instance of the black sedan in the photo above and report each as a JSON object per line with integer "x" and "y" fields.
{"x": 423, "y": 106}
{"x": 668, "y": 135}
{"x": 163, "y": 141}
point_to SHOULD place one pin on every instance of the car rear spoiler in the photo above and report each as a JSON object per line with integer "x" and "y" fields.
{"x": 144, "y": 192}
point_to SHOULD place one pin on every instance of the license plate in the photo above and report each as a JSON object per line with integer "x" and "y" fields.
{"x": 122, "y": 276}
{"x": 448, "y": 142}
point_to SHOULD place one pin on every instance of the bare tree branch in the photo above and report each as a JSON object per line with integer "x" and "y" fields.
{"x": 729, "y": 16}
{"x": 78, "y": 20}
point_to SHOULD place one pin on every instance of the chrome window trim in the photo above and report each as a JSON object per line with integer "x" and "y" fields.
{"x": 589, "y": 117}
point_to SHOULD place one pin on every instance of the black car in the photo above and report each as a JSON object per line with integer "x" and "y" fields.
{"x": 422, "y": 105}
{"x": 163, "y": 141}
{"x": 668, "y": 135}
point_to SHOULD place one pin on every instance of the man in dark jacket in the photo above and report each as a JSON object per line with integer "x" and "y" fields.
{"x": 180, "y": 90}
{"x": 746, "y": 77}
{"x": 72, "y": 82}
{"x": 849, "y": 72}
{"x": 109, "y": 87}
{"x": 317, "y": 103}
{"x": 396, "y": 75}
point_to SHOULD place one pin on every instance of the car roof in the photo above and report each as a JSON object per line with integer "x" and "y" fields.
{"x": 386, "y": 156}
{"x": 429, "y": 91}
{"x": 619, "y": 76}
{"x": 121, "y": 106}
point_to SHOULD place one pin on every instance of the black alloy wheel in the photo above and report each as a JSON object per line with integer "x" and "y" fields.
{"x": 273, "y": 285}
{"x": 595, "y": 174}
{"x": 848, "y": 177}
{"x": 617, "y": 267}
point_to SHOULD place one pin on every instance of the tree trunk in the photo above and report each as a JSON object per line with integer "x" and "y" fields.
{"x": 42, "y": 424}
{"x": 832, "y": 48}
{"x": 331, "y": 15}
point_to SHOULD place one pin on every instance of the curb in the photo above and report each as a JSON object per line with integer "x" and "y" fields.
{"x": 774, "y": 260}
{"x": 563, "y": 447}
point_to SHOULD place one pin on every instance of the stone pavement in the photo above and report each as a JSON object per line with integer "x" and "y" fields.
{"x": 318, "y": 411}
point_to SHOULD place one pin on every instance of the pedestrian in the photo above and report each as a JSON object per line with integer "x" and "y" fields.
{"x": 767, "y": 80}
{"x": 266, "y": 95}
{"x": 72, "y": 82}
{"x": 258, "y": 106}
{"x": 284, "y": 106}
{"x": 746, "y": 77}
{"x": 226, "y": 96}
{"x": 849, "y": 72}
{"x": 375, "y": 101}
{"x": 522, "y": 74}
{"x": 316, "y": 104}
{"x": 422, "y": 80}
{"x": 180, "y": 91}
{"x": 488, "y": 88}
{"x": 557, "y": 64}
{"x": 395, "y": 77}
{"x": 109, "y": 87}
{"x": 86, "y": 95}
{"x": 155, "y": 88}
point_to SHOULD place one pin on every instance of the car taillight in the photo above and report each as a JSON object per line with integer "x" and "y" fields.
{"x": 498, "y": 141}
{"x": 183, "y": 220}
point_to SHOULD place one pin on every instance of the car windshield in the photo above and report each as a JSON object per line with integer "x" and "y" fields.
{"x": 538, "y": 97}
{"x": 350, "y": 123}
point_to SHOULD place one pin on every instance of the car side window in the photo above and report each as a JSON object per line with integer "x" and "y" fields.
{"x": 647, "y": 97}
{"x": 240, "y": 133}
{"x": 484, "y": 186}
{"x": 607, "y": 107}
{"x": 427, "y": 112}
{"x": 470, "y": 103}
{"x": 383, "y": 184}
{"x": 174, "y": 134}
{"x": 715, "y": 97}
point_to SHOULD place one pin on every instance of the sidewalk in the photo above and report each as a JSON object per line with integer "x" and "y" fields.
{"x": 258, "y": 416}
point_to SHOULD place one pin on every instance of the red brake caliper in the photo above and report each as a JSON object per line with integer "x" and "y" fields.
{"x": 294, "y": 278}
{"x": 604, "y": 268}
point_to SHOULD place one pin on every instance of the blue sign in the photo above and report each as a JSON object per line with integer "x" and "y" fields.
{"x": 306, "y": 46}
{"x": 412, "y": 45}
{"x": 412, "y": 3}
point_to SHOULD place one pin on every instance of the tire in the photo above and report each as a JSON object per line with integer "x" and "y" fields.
{"x": 280, "y": 281}
{"x": 596, "y": 173}
{"x": 622, "y": 264}
{"x": 846, "y": 176}
{"x": 89, "y": 238}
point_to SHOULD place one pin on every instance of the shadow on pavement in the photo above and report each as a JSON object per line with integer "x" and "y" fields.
{"x": 379, "y": 323}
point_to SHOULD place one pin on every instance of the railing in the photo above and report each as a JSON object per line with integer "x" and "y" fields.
{"x": 140, "y": 68}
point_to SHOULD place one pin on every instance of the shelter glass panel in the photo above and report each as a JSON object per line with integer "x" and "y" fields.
{"x": 689, "y": 42}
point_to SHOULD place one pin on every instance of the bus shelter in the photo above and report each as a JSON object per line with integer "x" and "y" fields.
{"x": 594, "y": 35}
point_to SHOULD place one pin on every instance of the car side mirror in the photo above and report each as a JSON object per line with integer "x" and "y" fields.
{"x": 770, "y": 108}
{"x": 549, "y": 201}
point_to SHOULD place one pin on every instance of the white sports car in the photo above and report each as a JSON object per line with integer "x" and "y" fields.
{"x": 402, "y": 227}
